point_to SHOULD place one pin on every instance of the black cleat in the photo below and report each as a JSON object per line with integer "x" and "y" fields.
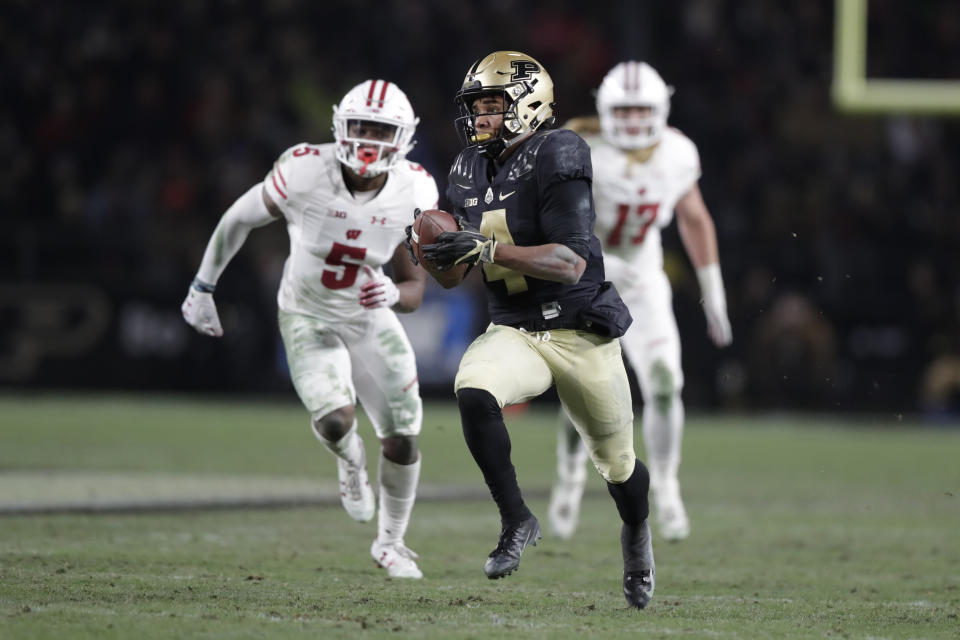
{"x": 639, "y": 572}
{"x": 514, "y": 538}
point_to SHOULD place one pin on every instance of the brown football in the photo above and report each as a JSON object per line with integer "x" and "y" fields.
{"x": 428, "y": 225}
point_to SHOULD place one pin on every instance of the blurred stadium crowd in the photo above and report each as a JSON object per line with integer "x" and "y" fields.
{"x": 127, "y": 129}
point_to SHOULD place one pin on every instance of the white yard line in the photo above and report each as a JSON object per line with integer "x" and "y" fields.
{"x": 35, "y": 492}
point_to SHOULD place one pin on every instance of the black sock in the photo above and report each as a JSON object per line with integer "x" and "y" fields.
{"x": 489, "y": 442}
{"x": 631, "y": 496}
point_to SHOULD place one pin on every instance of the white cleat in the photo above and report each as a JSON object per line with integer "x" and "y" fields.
{"x": 671, "y": 516}
{"x": 673, "y": 522}
{"x": 564, "y": 511}
{"x": 399, "y": 561}
{"x": 356, "y": 495}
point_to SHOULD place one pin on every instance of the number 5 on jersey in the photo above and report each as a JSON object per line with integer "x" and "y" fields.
{"x": 350, "y": 258}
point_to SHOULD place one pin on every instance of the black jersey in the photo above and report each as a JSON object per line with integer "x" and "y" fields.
{"x": 541, "y": 195}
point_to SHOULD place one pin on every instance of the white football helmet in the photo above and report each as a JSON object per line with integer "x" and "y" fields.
{"x": 380, "y": 102}
{"x": 633, "y": 84}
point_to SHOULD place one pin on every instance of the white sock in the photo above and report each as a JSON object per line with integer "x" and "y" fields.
{"x": 398, "y": 491}
{"x": 663, "y": 437}
{"x": 349, "y": 447}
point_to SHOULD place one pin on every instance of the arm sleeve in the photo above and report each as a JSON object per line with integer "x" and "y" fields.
{"x": 567, "y": 215}
{"x": 246, "y": 213}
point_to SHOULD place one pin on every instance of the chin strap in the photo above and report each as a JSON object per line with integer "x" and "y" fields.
{"x": 492, "y": 150}
{"x": 495, "y": 148}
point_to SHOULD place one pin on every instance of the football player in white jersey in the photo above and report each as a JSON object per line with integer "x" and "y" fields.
{"x": 644, "y": 173}
{"x": 345, "y": 205}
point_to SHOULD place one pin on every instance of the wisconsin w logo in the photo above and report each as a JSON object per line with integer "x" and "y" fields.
{"x": 523, "y": 68}
{"x": 353, "y": 234}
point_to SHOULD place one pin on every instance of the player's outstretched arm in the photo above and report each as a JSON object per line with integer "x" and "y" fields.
{"x": 699, "y": 236}
{"x": 252, "y": 209}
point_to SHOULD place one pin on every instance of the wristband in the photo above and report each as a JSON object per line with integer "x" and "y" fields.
{"x": 711, "y": 282}
{"x": 203, "y": 287}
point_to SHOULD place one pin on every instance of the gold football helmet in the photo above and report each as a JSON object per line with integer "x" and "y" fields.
{"x": 527, "y": 90}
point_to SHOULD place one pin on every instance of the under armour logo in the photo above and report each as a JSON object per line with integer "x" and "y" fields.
{"x": 353, "y": 234}
{"x": 375, "y": 220}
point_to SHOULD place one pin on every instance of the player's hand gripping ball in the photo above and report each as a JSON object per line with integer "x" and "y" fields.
{"x": 426, "y": 227}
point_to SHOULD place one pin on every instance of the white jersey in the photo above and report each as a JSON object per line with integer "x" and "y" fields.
{"x": 634, "y": 200}
{"x": 332, "y": 233}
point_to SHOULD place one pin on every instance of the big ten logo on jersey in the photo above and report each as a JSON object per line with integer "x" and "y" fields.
{"x": 334, "y": 213}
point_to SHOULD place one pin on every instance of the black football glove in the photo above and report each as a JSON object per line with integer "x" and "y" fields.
{"x": 467, "y": 246}
{"x": 409, "y": 231}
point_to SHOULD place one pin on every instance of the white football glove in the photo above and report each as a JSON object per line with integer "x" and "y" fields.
{"x": 200, "y": 312}
{"x": 379, "y": 291}
{"x": 715, "y": 304}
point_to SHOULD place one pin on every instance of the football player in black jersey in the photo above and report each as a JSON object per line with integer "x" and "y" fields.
{"x": 521, "y": 191}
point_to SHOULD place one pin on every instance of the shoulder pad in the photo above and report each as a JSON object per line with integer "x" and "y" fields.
{"x": 425, "y": 193}
{"x": 563, "y": 155}
{"x": 682, "y": 149}
{"x": 296, "y": 170}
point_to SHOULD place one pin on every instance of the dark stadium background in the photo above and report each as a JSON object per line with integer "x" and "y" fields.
{"x": 127, "y": 128}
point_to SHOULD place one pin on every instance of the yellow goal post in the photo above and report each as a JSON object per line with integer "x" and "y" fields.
{"x": 853, "y": 92}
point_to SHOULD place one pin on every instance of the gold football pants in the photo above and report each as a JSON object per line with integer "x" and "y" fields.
{"x": 514, "y": 366}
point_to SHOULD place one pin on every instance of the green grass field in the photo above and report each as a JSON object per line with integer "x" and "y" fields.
{"x": 802, "y": 528}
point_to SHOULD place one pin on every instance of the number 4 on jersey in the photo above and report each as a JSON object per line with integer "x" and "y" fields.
{"x": 494, "y": 225}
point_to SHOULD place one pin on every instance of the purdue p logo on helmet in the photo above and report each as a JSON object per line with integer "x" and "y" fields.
{"x": 527, "y": 90}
